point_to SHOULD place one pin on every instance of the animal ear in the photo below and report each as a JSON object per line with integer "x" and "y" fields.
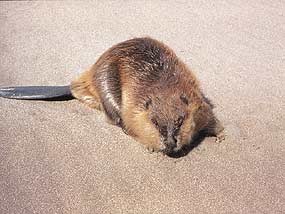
{"x": 184, "y": 99}
{"x": 208, "y": 101}
{"x": 147, "y": 103}
{"x": 202, "y": 115}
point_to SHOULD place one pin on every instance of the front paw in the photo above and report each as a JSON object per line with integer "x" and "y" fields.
{"x": 154, "y": 148}
{"x": 150, "y": 149}
{"x": 220, "y": 137}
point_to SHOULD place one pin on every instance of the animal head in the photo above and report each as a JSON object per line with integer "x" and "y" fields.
{"x": 176, "y": 118}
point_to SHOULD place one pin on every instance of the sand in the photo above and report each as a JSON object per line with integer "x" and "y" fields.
{"x": 62, "y": 157}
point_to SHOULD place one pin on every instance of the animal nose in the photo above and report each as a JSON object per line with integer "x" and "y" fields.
{"x": 172, "y": 141}
{"x": 170, "y": 144}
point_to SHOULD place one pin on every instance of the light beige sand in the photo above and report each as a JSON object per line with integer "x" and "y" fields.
{"x": 61, "y": 157}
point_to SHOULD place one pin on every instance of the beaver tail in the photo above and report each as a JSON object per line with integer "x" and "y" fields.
{"x": 48, "y": 93}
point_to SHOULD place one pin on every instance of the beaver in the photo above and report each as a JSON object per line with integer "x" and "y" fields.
{"x": 144, "y": 88}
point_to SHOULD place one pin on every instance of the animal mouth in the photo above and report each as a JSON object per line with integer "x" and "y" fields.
{"x": 170, "y": 147}
{"x": 168, "y": 151}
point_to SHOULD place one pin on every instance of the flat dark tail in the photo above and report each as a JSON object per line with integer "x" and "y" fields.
{"x": 48, "y": 93}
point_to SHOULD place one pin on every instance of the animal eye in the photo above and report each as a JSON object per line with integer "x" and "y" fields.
{"x": 154, "y": 121}
{"x": 179, "y": 121}
{"x": 184, "y": 99}
{"x": 147, "y": 103}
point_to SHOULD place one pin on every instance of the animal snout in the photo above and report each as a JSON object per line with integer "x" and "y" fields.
{"x": 170, "y": 145}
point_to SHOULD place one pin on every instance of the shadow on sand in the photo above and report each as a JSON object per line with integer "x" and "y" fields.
{"x": 196, "y": 141}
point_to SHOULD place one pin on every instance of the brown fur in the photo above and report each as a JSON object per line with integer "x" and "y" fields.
{"x": 143, "y": 87}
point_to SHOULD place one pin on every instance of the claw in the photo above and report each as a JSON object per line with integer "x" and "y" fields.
{"x": 220, "y": 137}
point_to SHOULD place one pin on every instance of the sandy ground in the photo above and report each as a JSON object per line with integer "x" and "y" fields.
{"x": 61, "y": 157}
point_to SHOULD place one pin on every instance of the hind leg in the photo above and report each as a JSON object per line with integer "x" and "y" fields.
{"x": 108, "y": 85}
{"x": 83, "y": 90}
